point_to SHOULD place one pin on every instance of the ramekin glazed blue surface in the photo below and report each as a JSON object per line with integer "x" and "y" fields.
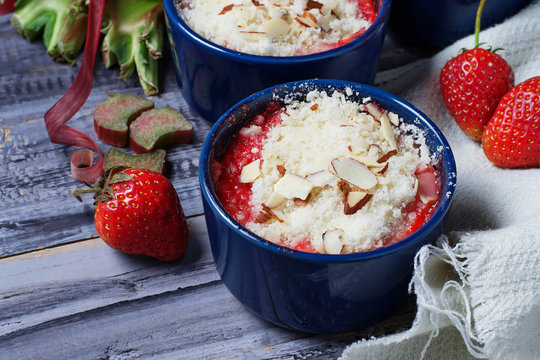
{"x": 309, "y": 292}
{"x": 212, "y": 78}
{"x": 437, "y": 23}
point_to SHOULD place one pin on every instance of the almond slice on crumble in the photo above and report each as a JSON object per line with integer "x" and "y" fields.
{"x": 387, "y": 132}
{"x": 333, "y": 242}
{"x": 265, "y": 215}
{"x": 355, "y": 201}
{"x": 293, "y": 186}
{"x": 251, "y": 172}
{"x": 354, "y": 172}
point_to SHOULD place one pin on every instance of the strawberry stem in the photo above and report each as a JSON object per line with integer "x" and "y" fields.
{"x": 477, "y": 25}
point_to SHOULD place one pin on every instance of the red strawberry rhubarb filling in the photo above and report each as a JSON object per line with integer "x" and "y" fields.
{"x": 328, "y": 175}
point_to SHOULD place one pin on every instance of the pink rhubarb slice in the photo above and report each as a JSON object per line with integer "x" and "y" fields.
{"x": 154, "y": 161}
{"x": 157, "y": 128}
{"x": 113, "y": 117}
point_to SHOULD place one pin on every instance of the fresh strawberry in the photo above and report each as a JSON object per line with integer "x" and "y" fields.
{"x": 512, "y": 136}
{"x": 138, "y": 212}
{"x": 472, "y": 84}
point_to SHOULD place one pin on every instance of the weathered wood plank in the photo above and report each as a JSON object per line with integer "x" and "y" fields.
{"x": 89, "y": 274}
{"x": 189, "y": 323}
{"x": 86, "y": 300}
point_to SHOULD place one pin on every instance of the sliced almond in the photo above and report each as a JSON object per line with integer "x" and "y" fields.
{"x": 381, "y": 170}
{"x": 226, "y": 9}
{"x": 374, "y": 153}
{"x": 252, "y": 35}
{"x": 281, "y": 169}
{"x": 355, "y": 172}
{"x": 275, "y": 200}
{"x": 345, "y": 188}
{"x": 387, "y": 156}
{"x": 331, "y": 4}
{"x": 355, "y": 201}
{"x": 332, "y": 240}
{"x": 311, "y": 19}
{"x": 324, "y": 23}
{"x": 394, "y": 118}
{"x": 276, "y": 27}
{"x": 328, "y": 13}
{"x": 302, "y": 21}
{"x": 322, "y": 178}
{"x": 312, "y": 4}
{"x": 369, "y": 162}
{"x": 387, "y": 132}
{"x": 251, "y": 171}
{"x": 300, "y": 202}
{"x": 265, "y": 215}
{"x": 293, "y": 186}
{"x": 374, "y": 110}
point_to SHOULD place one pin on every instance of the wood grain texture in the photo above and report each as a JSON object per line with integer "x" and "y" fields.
{"x": 86, "y": 300}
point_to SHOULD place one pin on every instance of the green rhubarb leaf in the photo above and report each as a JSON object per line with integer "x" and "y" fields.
{"x": 62, "y": 23}
{"x": 134, "y": 39}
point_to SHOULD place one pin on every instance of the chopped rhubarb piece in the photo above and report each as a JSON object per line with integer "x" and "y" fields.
{"x": 157, "y": 128}
{"x": 422, "y": 168}
{"x": 113, "y": 116}
{"x": 154, "y": 161}
{"x": 428, "y": 190}
{"x": 368, "y": 10}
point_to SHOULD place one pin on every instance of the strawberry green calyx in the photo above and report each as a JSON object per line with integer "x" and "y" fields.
{"x": 62, "y": 22}
{"x": 102, "y": 187}
{"x": 134, "y": 39}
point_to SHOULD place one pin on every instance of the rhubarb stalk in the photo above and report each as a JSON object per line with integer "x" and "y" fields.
{"x": 134, "y": 39}
{"x": 62, "y": 23}
{"x": 56, "y": 118}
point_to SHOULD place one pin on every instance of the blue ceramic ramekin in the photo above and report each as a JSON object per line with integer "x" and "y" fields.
{"x": 212, "y": 78}
{"x": 316, "y": 293}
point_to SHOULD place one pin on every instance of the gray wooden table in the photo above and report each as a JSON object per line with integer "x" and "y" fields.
{"x": 64, "y": 294}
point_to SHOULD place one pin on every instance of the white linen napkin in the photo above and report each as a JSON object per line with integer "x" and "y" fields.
{"x": 478, "y": 290}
